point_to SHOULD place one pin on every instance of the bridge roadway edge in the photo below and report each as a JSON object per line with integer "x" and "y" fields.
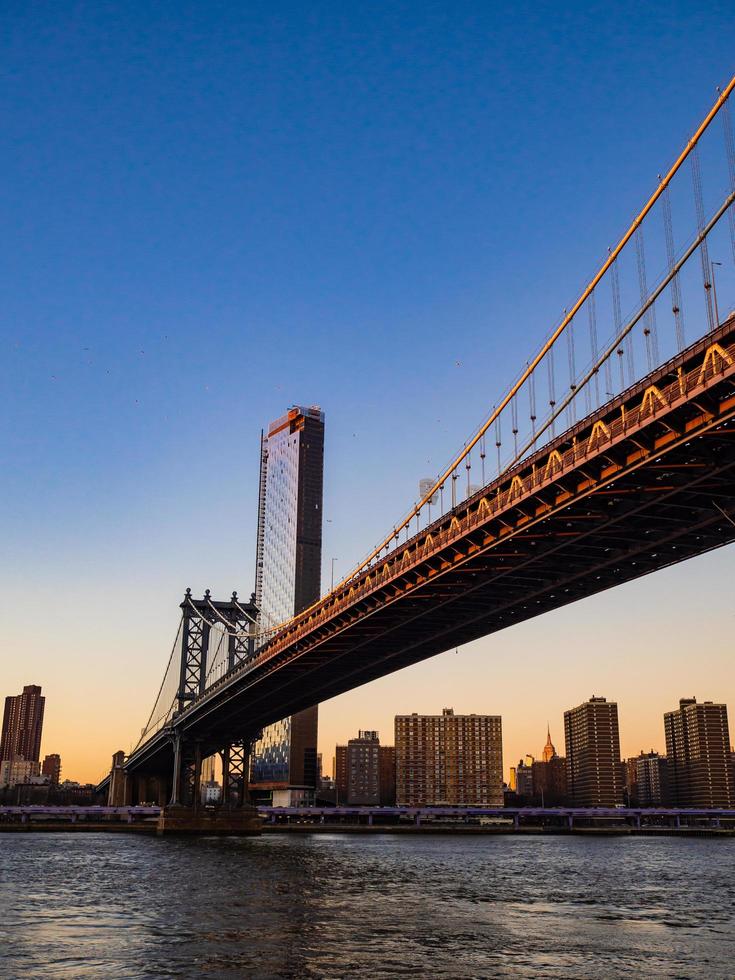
{"x": 317, "y": 662}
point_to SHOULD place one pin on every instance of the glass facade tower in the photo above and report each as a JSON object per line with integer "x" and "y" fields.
{"x": 287, "y": 580}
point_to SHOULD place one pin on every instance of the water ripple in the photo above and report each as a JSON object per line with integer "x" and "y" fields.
{"x": 111, "y": 906}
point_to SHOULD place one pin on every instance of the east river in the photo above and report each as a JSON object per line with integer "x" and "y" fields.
{"x": 120, "y": 906}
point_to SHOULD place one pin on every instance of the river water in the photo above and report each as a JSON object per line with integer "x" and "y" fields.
{"x": 79, "y": 906}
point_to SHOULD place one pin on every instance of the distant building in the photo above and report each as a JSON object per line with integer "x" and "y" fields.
{"x": 549, "y": 776}
{"x": 15, "y": 771}
{"x": 698, "y": 753}
{"x": 630, "y": 781}
{"x": 211, "y": 791}
{"x": 652, "y": 779}
{"x": 524, "y": 779}
{"x": 288, "y": 580}
{"x": 22, "y": 725}
{"x": 549, "y": 751}
{"x": 456, "y": 760}
{"x": 340, "y": 773}
{"x": 592, "y": 737}
{"x": 387, "y": 775}
{"x": 363, "y": 769}
{"x": 52, "y": 768}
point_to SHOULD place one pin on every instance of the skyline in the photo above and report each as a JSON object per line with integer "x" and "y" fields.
{"x": 137, "y": 351}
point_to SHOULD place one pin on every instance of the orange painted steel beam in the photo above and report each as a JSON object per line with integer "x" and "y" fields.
{"x": 665, "y": 181}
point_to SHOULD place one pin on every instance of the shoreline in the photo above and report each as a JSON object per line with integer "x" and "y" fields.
{"x": 387, "y": 829}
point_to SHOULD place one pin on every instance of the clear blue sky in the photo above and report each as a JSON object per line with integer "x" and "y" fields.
{"x": 211, "y": 211}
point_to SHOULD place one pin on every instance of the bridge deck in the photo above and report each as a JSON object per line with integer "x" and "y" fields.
{"x": 632, "y": 488}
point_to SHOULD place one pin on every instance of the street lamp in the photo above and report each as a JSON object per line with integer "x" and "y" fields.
{"x": 714, "y": 292}
{"x": 332, "y": 586}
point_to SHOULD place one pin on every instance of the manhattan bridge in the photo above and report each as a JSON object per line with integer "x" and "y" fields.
{"x": 611, "y": 455}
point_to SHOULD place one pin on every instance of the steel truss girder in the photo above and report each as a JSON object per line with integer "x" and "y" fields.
{"x": 336, "y": 655}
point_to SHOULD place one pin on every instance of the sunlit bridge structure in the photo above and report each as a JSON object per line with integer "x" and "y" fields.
{"x": 611, "y": 455}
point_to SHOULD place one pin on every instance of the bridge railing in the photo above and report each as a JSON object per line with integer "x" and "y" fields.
{"x": 571, "y": 376}
{"x": 710, "y": 358}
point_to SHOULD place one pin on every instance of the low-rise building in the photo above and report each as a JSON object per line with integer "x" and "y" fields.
{"x": 18, "y": 770}
{"x": 51, "y": 767}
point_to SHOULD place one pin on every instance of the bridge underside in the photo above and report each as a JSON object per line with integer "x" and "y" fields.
{"x": 651, "y": 498}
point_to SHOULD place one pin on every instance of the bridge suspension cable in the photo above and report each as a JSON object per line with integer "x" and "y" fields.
{"x": 165, "y": 703}
{"x": 567, "y": 319}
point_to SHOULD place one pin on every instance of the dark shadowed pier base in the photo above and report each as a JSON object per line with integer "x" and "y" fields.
{"x": 215, "y": 820}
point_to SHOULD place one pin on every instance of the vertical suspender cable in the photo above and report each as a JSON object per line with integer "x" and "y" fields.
{"x": 671, "y": 258}
{"x": 571, "y": 414}
{"x": 649, "y": 319}
{"x": 730, "y": 149}
{"x": 618, "y": 317}
{"x": 703, "y": 249}
{"x": 592, "y": 316}
{"x": 552, "y": 385}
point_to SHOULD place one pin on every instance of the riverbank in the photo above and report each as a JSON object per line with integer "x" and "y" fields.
{"x": 409, "y": 830}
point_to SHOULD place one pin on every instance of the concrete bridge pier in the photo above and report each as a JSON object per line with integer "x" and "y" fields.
{"x": 120, "y": 792}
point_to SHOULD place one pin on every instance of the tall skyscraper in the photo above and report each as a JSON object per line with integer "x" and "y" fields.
{"x": 698, "y": 753}
{"x": 592, "y": 736}
{"x": 22, "y": 725}
{"x": 549, "y": 750}
{"x": 449, "y": 759}
{"x": 287, "y": 581}
{"x": 549, "y": 776}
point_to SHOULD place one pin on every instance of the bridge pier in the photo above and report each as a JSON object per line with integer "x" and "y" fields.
{"x": 120, "y": 789}
{"x": 185, "y": 813}
{"x": 176, "y": 773}
{"x": 221, "y": 820}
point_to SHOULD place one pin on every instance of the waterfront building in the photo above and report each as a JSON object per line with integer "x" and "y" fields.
{"x": 449, "y": 759}
{"x": 340, "y": 773}
{"x": 524, "y": 779}
{"x": 52, "y": 768}
{"x": 698, "y": 752}
{"x": 387, "y": 775}
{"x": 18, "y": 770}
{"x": 652, "y": 779}
{"x": 363, "y": 769}
{"x": 592, "y": 737}
{"x": 22, "y": 725}
{"x": 287, "y": 581}
{"x": 630, "y": 781}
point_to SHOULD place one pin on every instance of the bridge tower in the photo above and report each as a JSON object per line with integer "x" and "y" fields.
{"x": 216, "y": 637}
